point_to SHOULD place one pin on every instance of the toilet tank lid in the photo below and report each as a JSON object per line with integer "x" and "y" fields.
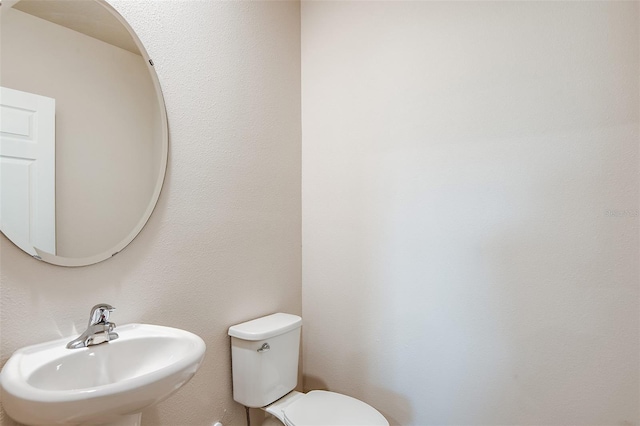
{"x": 265, "y": 327}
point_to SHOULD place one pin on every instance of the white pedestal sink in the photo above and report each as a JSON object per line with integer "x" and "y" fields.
{"x": 110, "y": 383}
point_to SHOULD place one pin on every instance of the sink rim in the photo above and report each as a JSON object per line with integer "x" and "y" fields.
{"x": 14, "y": 378}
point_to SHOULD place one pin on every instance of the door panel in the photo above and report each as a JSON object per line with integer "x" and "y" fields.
{"x": 27, "y": 170}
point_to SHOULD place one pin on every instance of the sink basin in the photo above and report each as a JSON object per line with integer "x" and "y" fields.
{"x": 49, "y": 384}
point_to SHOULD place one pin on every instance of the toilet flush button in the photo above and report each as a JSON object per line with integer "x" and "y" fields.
{"x": 265, "y": 347}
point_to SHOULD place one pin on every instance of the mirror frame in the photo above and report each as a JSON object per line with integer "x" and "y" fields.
{"x": 164, "y": 141}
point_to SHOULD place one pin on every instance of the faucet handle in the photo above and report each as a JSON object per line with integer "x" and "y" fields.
{"x": 100, "y": 314}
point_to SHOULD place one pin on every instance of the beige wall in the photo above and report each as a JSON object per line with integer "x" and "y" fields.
{"x": 459, "y": 160}
{"x": 223, "y": 244}
{"x": 105, "y": 173}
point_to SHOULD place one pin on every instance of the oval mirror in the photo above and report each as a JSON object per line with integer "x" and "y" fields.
{"x": 83, "y": 130}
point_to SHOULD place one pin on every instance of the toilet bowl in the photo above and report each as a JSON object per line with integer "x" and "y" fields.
{"x": 323, "y": 408}
{"x": 264, "y": 357}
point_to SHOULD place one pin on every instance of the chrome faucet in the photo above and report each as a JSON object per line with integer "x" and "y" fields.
{"x": 100, "y": 330}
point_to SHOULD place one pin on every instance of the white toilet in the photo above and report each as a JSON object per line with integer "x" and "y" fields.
{"x": 264, "y": 355}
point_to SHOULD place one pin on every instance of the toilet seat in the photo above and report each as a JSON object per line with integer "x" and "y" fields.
{"x": 323, "y": 408}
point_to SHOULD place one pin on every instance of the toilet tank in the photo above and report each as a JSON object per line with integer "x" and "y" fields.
{"x": 264, "y": 358}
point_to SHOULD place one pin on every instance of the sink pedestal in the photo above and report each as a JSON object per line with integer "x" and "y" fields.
{"x": 130, "y": 420}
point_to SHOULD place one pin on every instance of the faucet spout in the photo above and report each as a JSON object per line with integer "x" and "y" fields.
{"x": 98, "y": 331}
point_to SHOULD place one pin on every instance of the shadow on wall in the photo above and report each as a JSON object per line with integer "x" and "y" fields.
{"x": 363, "y": 360}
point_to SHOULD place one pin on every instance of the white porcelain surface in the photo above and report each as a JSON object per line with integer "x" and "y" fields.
{"x": 267, "y": 369}
{"x": 266, "y": 327}
{"x": 322, "y": 408}
{"x": 49, "y": 384}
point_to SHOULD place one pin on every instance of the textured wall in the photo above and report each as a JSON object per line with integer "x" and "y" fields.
{"x": 223, "y": 244}
{"x": 470, "y": 209}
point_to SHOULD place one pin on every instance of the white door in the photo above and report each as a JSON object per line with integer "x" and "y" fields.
{"x": 27, "y": 170}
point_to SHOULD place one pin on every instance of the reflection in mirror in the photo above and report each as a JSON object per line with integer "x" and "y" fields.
{"x": 83, "y": 140}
